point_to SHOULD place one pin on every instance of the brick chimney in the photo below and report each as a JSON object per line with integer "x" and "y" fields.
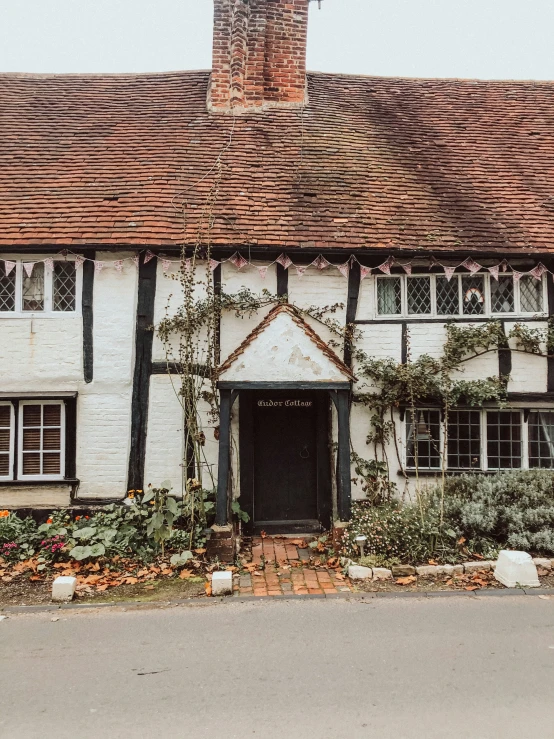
{"x": 259, "y": 55}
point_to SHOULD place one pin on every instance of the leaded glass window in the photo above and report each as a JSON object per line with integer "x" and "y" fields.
{"x": 419, "y": 295}
{"x": 423, "y": 439}
{"x": 33, "y": 288}
{"x": 541, "y": 439}
{"x": 389, "y": 295}
{"x": 530, "y": 294}
{"x": 464, "y": 439}
{"x": 448, "y": 301}
{"x": 502, "y": 294}
{"x": 504, "y": 439}
{"x": 473, "y": 295}
{"x": 7, "y": 287}
{"x": 64, "y": 286}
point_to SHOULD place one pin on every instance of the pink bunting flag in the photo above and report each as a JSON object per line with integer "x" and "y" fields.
{"x": 238, "y": 260}
{"x": 166, "y": 264}
{"x": 386, "y": 266}
{"x": 449, "y": 272}
{"x": 262, "y": 271}
{"x": 364, "y": 271}
{"x": 188, "y": 265}
{"x": 148, "y": 256}
{"x": 28, "y": 267}
{"x": 300, "y": 271}
{"x": 517, "y": 275}
{"x": 118, "y": 264}
{"x": 136, "y": 259}
{"x": 320, "y": 262}
{"x": 407, "y": 268}
{"x": 214, "y": 264}
{"x": 98, "y": 266}
{"x": 494, "y": 271}
{"x": 538, "y": 271}
{"x": 49, "y": 263}
{"x": 344, "y": 269}
{"x": 284, "y": 261}
{"x": 8, "y": 266}
{"x": 471, "y": 265}
{"x": 79, "y": 261}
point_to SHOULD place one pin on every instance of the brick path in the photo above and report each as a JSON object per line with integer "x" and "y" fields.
{"x": 286, "y": 566}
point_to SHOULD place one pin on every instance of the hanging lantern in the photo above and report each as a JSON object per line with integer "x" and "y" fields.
{"x": 422, "y": 429}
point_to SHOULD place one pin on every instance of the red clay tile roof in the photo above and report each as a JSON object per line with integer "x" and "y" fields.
{"x": 371, "y": 163}
{"x": 297, "y": 318}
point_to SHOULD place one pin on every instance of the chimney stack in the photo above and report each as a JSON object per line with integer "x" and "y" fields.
{"x": 259, "y": 55}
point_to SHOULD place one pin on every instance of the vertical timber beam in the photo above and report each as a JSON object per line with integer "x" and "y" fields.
{"x": 144, "y": 338}
{"x": 282, "y": 281}
{"x": 227, "y": 398}
{"x": 344, "y": 493}
{"x": 504, "y": 357}
{"x": 351, "y": 308}
{"x": 87, "y": 311}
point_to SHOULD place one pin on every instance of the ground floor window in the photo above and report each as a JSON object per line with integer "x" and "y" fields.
{"x": 486, "y": 439}
{"x": 32, "y": 439}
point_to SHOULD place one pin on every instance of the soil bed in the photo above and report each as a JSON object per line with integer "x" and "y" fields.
{"x": 484, "y": 581}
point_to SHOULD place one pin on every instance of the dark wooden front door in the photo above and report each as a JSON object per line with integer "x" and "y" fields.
{"x": 285, "y": 459}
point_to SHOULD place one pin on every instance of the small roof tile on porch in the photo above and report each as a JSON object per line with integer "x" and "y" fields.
{"x": 284, "y": 348}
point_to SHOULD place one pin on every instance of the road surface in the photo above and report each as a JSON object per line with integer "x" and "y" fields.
{"x": 430, "y": 668}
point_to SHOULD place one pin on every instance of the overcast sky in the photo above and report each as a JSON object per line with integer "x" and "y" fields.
{"x": 498, "y": 39}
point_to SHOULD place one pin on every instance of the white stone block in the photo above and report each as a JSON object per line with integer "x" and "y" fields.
{"x": 450, "y": 570}
{"x": 63, "y": 589}
{"x": 515, "y": 569}
{"x": 427, "y": 571}
{"x": 357, "y": 572}
{"x": 477, "y": 566}
{"x": 381, "y": 573}
{"x": 222, "y": 583}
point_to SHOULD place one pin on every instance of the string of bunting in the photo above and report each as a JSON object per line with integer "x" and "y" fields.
{"x": 320, "y": 263}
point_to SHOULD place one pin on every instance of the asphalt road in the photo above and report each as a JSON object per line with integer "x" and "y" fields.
{"x": 442, "y": 667}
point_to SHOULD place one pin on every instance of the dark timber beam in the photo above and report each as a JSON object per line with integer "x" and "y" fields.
{"x": 351, "y": 307}
{"x": 344, "y": 493}
{"x": 87, "y": 311}
{"x": 282, "y": 280}
{"x": 227, "y": 398}
{"x": 144, "y": 338}
{"x": 504, "y": 357}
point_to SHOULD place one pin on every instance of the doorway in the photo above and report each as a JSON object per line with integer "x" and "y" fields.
{"x": 285, "y": 463}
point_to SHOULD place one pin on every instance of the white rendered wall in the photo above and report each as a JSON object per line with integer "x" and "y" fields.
{"x": 529, "y": 373}
{"x": 320, "y": 288}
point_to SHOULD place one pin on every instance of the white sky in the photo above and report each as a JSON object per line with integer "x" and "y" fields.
{"x": 498, "y": 39}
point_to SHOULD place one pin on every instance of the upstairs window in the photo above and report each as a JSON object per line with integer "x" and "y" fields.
{"x": 40, "y": 287}
{"x": 462, "y": 295}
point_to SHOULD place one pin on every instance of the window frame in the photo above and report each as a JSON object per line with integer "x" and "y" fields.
{"x": 48, "y": 310}
{"x": 21, "y": 405}
{"x": 460, "y": 315}
{"x": 11, "y": 452}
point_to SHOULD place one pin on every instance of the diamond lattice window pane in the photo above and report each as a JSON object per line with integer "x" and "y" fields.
{"x": 64, "y": 286}
{"x": 502, "y": 294}
{"x": 447, "y": 296}
{"x": 7, "y": 288}
{"x": 473, "y": 295}
{"x": 419, "y": 295}
{"x": 530, "y": 293}
{"x": 33, "y": 288}
{"x": 389, "y": 295}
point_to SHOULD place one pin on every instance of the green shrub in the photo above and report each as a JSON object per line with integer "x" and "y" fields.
{"x": 512, "y": 509}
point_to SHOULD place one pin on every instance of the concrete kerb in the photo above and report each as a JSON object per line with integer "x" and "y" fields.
{"x": 205, "y": 602}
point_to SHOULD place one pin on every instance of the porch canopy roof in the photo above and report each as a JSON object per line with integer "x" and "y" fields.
{"x": 284, "y": 349}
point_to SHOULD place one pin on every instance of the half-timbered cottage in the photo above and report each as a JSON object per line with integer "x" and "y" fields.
{"x": 403, "y": 205}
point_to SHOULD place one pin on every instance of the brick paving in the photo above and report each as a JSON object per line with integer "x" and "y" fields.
{"x": 279, "y": 565}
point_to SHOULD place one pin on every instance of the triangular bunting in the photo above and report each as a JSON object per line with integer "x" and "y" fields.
{"x": 28, "y": 267}
{"x": 136, "y": 259}
{"x": 214, "y": 264}
{"x": 148, "y": 256}
{"x": 284, "y": 261}
{"x": 118, "y": 264}
{"x": 166, "y": 264}
{"x": 98, "y": 266}
{"x": 471, "y": 265}
{"x": 538, "y": 271}
{"x": 262, "y": 271}
{"x": 364, "y": 271}
{"x": 407, "y": 268}
{"x": 320, "y": 262}
{"x": 79, "y": 261}
{"x": 449, "y": 272}
{"x": 344, "y": 269}
{"x": 494, "y": 271}
{"x": 386, "y": 266}
{"x": 8, "y": 266}
{"x": 300, "y": 271}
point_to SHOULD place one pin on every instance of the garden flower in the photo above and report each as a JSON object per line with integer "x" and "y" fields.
{"x": 49, "y": 520}
{"x": 3, "y": 514}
